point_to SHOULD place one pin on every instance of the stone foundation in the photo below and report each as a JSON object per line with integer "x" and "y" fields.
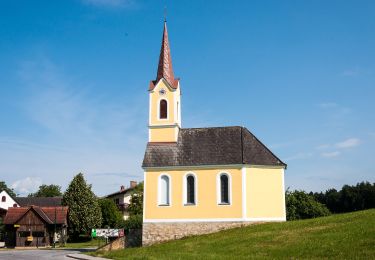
{"x": 159, "y": 232}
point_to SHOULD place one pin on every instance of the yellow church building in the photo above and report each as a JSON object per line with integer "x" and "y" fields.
{"x": 201, "y": 180}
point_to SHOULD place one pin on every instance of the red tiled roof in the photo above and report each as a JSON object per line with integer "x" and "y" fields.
{"x": 165, "y": 69}
{"x": 46, "y": 213}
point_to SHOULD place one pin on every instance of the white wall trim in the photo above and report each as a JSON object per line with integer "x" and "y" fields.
{"x": 184, "y": 188}
{"x": 169, "y": 188}
{"x": 283, "y": 190}
{"x": 244, "y": 193}
{"x": 144, "y": 196}
{"x": 265, "y": 219}
{"x": 218, "y": 188}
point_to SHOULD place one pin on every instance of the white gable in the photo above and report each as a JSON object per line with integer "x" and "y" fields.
{"x": 6, "y": 201}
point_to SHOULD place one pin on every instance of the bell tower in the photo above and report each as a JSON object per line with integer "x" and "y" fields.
{"x": 164, "y": 98}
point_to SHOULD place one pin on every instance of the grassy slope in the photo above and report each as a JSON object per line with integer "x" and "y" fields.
{"x": 340, "y": 236}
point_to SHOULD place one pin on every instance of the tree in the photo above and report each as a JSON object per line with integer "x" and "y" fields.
{"x": 84, "y": 211}
{"x": 136, "y": 201}
{"x": 111, "y": 216}
{"x": 10, "y": 191}
{"x": 300, "y": 205}
{"x": 47, "y": 191}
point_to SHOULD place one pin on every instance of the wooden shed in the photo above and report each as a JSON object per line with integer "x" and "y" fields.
{"x": 35, "y": 226}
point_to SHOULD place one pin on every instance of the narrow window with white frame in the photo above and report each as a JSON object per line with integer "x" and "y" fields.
{"x": 190, "y": 189}
{"x": 164, "y": 187}
{"x": 163, "y": 109}
{"x": 224, "y": 188}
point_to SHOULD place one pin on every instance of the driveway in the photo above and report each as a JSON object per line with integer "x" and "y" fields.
{"x": 36, "y": 254}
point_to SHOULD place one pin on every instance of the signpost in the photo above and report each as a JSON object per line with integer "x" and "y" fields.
{"x": 107, "y": 232}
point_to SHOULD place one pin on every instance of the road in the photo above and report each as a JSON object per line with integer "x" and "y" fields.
{"x": 37, "y": 254}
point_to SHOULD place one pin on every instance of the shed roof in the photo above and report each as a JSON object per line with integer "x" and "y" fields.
{"x": 210, "y": 146}
{"x": 46, "y": 213}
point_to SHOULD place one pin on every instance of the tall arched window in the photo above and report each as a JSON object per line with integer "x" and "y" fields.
{"x": 224, "y": 189}
{"x": 163, "y": 107}
{"x": 190, "y": 189}
{"x": 164, "y": 190}
{"x": 3, "y": 199}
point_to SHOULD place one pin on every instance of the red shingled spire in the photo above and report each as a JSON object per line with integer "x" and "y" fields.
{"x": 165, "y": 69}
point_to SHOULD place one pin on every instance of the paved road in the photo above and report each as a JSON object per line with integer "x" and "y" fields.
{"x": 36, "y": 254}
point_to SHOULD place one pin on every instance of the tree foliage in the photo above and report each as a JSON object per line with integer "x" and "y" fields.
{"x": 136, "y": 201}
{"x": 111, "y": 216}
{"x": 10, "y": 191}
{"x": 349, "y": 198}
{"x": 47, "y": 191}
{"x": 84, "y": 211}
{"x": 300, "y": 205}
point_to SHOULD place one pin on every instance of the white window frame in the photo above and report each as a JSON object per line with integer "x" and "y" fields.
{"x": 166, "y": 100}
{"x": 169, "y": 190}
{"x": 184, "y": 185}
{"x": 218, "y": 189}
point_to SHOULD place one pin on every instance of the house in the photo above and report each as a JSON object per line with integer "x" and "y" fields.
{"x": 7, "y": 201}
{"x": 201, "y": 180}
{"x": 39, "y": 201}
{"x": 122, "y": 198}
{"x": 35, "y": 226}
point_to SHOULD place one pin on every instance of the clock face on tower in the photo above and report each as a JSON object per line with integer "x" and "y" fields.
{"x": 162, "y": 92}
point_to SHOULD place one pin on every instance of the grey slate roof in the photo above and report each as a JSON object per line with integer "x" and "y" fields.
{"x": 210, "y": 146}
{"x": 39, "y": 201}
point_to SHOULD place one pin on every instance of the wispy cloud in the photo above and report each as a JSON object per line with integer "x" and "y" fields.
{"x": 348, "y": 143}
{"x": 331, "y": 154}
{"x": 109, "y": 3}
{"x": 26, "y": 185}
{"x": 298, "y": 156}
{"x": 337, "y": 148}
{"x": 328, "y": 105}
{"x": 77, "y": 131}
{"x": 351, "y": 72}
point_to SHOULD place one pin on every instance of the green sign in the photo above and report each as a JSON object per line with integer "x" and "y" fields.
{"x": 93, "y": 233}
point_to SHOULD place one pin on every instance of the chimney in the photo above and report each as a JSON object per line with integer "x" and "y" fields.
{"x": 133, "y": 184}
{"x": 122, "y": 188}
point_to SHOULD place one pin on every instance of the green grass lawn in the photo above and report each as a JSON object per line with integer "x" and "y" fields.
{"x": 342, "y": 236}
{"x": 93, "y": 243}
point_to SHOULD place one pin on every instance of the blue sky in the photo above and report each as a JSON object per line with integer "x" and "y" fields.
{"x": 74, "y": 76}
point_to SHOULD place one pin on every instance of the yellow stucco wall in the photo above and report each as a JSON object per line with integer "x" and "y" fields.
{"x": 206, "y": 206}
{"x": 265, "y": 193}
{"x": 171, "y": 96}
{"x": 163, "y": 134}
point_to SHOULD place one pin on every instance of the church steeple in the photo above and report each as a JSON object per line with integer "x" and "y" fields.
{"x": 165, "y": 98}
{"x": 165, "y": 69}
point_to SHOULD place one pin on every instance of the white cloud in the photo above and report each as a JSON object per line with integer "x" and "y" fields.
{"x": 351, "y": 72}
{"x": 109, "y": 3}
{"x": 331, "y": 154}
{"x": 348, "y": 143}
{"x": 26, "y": 185}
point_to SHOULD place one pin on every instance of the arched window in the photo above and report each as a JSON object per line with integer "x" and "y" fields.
{"x": 164, "y": 190}
{"x": 3, "y": 199}
{"x": 223, "y": 188}
{"x": 163, "y": 106}
{"x": 190, "y": 189}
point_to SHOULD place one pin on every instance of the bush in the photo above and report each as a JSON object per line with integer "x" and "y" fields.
{"x": 133, "y": 222}
{"x": 300, "y": 205}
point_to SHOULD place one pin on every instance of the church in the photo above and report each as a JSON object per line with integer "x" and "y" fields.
{"x": 202, "y": 180}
